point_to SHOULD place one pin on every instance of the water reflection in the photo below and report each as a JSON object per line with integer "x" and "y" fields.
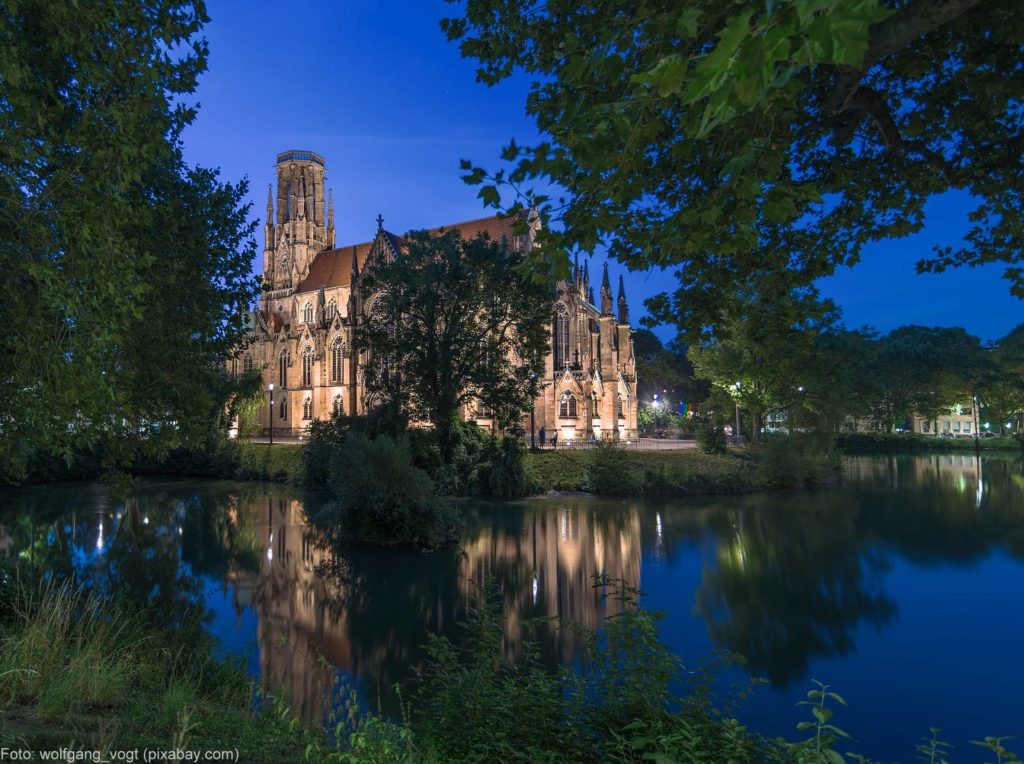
{"x": 782, "y": 578}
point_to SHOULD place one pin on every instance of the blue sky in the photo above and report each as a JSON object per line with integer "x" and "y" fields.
{"x": 375, "y": 88}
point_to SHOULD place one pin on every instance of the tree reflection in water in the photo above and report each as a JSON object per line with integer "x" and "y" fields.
{"x": 789, "y": 576}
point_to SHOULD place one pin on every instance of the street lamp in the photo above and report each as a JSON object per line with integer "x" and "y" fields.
{"x": 533, "y": 408}
{"x": 657, "y": 404}
{"x": 270, "y": 387}
{"x": 738, "y": 387}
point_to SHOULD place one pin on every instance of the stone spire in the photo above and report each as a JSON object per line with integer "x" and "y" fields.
{"x": 606, "y": 293}
{"x": 270, "y": 205}
{"x": 330, "y": 218}
{"x": 586, "y": 278}
{"x": 355, "y": 266}
{"x": 623, "y": 307}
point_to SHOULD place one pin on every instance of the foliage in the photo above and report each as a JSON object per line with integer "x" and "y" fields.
{"x": 452, "y": 323}
{"x": 382, "y": 497}
{"x": 664, "y": 370}
{"x": 607, "y": 471}
{"x": 728, "y": 139}
{"x": 655, "y": 473}
{"x": 505, "y": 477}
{"x": 763, "y": 349}
{"x": 790, "y": 461}
{"x": 885, "y": 442}
{"x": 76, "y": 668}
{"x": 1001, "y": 383}
{"x": 125, "y": 271}
{"x": 924, "y": 370}
{"x": 710, "y": 438}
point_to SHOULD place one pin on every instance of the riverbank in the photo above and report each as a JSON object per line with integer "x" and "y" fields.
{"x": 638, "y": 473}
{"x": 907, "y": 443}
{"x": 784, "y": 463}
{"x": 77, "y": 670}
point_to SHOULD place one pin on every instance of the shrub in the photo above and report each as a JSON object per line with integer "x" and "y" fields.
{"x": 505, "y": 476}
{"x": 608, "y": 471}
{"x": 382, "y": 497}
{"x": 793, "y": 460}
{"x": 710, "y": 437}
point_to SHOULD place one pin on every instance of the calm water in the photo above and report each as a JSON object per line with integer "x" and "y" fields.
{"x": 902, "y": 588}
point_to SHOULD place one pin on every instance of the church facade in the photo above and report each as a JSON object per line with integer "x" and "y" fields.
{"x": 301, "y": 332}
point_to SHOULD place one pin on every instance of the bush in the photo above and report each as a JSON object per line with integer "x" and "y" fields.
{"x": 790, "y": 461}
{"x": 608, "y": 471}
{"x": 76, "y": 668}
{"x": 505, "y": 476}
{"x": 903, "y": 442}
{"x": 382, "y": 497}
{"x": 710, "y": 437}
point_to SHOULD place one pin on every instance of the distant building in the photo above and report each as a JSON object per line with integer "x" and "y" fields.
{"x": 958, "y": 421}
{"x": 301, "y": 334}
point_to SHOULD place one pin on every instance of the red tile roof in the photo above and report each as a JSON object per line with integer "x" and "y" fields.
{"x": 333, "y": 267}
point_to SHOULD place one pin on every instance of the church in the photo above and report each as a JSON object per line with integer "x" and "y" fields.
{"x": 301, "y": 333}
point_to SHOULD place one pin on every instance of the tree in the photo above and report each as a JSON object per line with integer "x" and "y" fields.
{"x": 124, "y": 272}
{"x": 923, "y": 370}
{"x": 450, "y": 322}
{"x": 664, "y": 371}
{"x": 761, "y": 353}
{"x": 1001, "y": 385}
{"x": 730, "y": 138}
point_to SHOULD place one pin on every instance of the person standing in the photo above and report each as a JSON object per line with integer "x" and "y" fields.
{"x": 554, "y": 440}
{"x": 543, "y": 436}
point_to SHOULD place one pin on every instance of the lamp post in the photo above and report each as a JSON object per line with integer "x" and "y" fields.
{"x": 977, "y": 443}
{"x": 657, "y": 405}
{"x": 533, "y": 408}
{"x": 738, "y": 435}
{"x": 271, "y": 412}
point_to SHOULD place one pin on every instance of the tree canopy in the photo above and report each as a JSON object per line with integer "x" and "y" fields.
{"x": 451, "y": 322}
{"x": 125, "y": 273}
{"x": 727, "y": 139}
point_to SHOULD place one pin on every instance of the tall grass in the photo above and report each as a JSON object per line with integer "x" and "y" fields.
{"x": 67, "y": 651}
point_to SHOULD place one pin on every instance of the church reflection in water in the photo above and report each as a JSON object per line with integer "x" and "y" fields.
{"x": 320, "y": 609}
{"x": 782, "y": 578}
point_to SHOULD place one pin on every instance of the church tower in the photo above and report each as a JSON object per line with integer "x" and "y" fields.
{"x": 302, "y": 225}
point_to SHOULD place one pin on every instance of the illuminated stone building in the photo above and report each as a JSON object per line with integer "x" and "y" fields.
{"x": 302, "y": 330}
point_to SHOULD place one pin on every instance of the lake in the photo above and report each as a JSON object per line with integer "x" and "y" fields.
{"x": 903, "y": 587}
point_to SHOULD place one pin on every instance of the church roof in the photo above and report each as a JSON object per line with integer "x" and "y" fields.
{"x": 333, "y": 267}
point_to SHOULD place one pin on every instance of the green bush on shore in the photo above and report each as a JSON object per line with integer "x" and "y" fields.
{"x": 648, "y": 473}
{"x": 875, "y": 442}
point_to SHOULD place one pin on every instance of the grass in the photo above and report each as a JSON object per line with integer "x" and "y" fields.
{"x": 75, "y": 669}
{"x": 874, "y": 442}
{"x": 282, "y": 463}
{"x": 657, "y": 473}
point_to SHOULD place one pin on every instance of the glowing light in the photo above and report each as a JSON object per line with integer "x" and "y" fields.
{"x": 536, "y": 588}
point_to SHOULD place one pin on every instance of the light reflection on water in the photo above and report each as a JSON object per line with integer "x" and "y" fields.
{"x": 900, "y": 587}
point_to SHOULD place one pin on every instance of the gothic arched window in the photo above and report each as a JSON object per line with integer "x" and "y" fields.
{"x": 307, "y": 409}
{"x": 282, "y": 369}
{"x": 247, "y": 363}
{"x": 307, "y": 368}
{"x": 338, "y": 408}
{"x": 307, "y": 312}
{"x": 567, "y": 406}
{"x": 618, "y": 408}
{"x": 332, "y": 308}
{"x": 338, "y": 361}
{"x": 284, "y": 408}
{"x": 561, "y": 338}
